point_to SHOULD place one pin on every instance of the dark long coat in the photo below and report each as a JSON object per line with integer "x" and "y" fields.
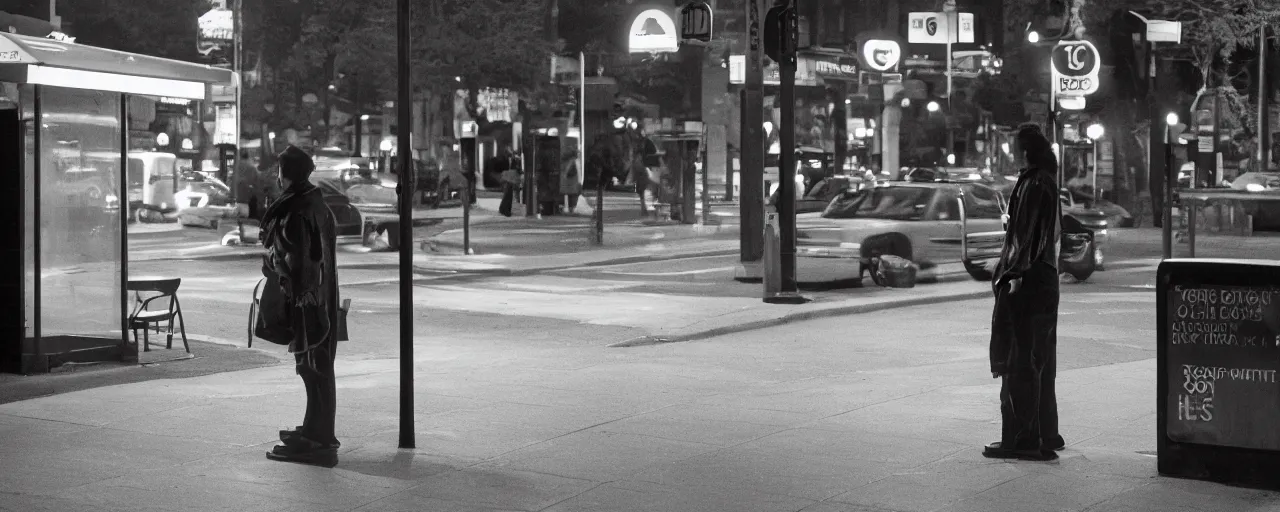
{"x": 1032, "y": 236}
{"x": 300, "y": 235}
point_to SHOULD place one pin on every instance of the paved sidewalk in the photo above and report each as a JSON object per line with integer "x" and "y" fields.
{"x": 886, "y": 416}
{"x": 1141, "y": 243}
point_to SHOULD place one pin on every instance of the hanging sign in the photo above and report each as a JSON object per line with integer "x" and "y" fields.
{"x": 881, "y": 55}
{"x": 1075, "y": 68}
{"x": 696, "y": 21}
{"x": 653, "y": 31}
{"x": 932, "y": 28}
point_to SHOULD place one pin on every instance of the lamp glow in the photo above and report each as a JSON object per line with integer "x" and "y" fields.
{"x": 161, "y": 139}
{"x": 1171, "y": 119}
{"x": 188, "y": 145}
{"x": 364, "y": 117}
{"x": 951, "y": 159}
{"x": 1004, "y": 146}
{"x": 933, "y": 106}
{"x": 906, "y": 102}
{"x": 385, "y": 145}
{"x": 1033, "y": 37}
{"x": 1095, "y": 131}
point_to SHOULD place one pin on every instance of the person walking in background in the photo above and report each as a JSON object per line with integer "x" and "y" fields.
{"x": 509, "y": 174}
{"x": 1025, "y": 318}
{"x": 571, "y": 185}
{"x": 300, "y": 235}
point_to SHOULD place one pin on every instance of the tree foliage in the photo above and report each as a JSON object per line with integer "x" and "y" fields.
{"x": 163, "y": 28}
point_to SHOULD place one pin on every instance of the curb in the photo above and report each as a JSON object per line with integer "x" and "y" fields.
{"x": 798, "y": 317}
{"x": 508, "y": 272}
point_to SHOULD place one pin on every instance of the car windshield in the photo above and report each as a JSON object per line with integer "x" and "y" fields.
{"x": 897, "y": 203}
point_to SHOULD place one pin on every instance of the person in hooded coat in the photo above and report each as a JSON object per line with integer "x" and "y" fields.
{"x": 300, "y": 235}
{"x": 1025, "y": 317}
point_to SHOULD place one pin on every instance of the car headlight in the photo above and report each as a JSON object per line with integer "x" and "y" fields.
{"x": 1254, "y": 187}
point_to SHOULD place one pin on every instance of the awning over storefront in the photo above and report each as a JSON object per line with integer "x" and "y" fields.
{"x": 38, "y": 61}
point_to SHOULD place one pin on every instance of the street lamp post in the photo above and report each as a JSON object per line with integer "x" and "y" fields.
{"x": 1170, "y": 138}
{"x": 404, "y": 145}
{"x": 1095, "y": 132}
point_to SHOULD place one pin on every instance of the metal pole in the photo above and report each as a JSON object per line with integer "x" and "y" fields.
{"x": 405, "y": 161}
{"x": 787, "y": 158}
{"x": 37, "y": 309}
{"x": 1264, "y": 151}
{"x": 356, "y": 108}
{"x": 238, "y": 64}
{"x": 751, "y": 152}
{"x": 466, "y": 202}
{"x": 1095, "y": 171}
{"x": 1167, "y": 214}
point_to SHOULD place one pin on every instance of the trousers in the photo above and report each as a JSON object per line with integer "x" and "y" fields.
{"x": 1028, "y": 394}
{"x": 315, "y": 366}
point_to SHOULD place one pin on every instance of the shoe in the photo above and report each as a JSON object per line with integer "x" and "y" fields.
{"x": 1056, "y": 444}
{"x": 294, "y": 437}
{"x": 309, "y": 453}
{"x": 998, "y": 451}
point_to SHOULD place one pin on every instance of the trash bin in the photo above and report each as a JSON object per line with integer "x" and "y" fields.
{"x": 895, "y": 271}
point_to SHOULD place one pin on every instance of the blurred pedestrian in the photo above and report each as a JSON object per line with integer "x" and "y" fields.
{"x": 300, "y": 236}
{"x": 1025, "y": 318}
{"x": 571, "y": 185}
{"x": 509, "y": 174}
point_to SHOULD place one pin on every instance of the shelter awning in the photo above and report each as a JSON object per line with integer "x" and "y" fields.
{"x": 38, "y": 61}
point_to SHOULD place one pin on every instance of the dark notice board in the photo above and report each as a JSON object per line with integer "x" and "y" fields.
{"x": 1219, "y": 369}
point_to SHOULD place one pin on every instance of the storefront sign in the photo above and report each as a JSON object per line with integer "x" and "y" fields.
{"x": 1075, "y": 68}
{"x": 882, "y": 55}
{"x": 835, "y": 69}
{"x": 806, "y": 74}
{"x": 11, "y": 54}
{"x": 653, "y": 31}
{"x": 932, "y": 28}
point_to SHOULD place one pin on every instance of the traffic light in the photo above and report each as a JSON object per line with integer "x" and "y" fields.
{"x": 781, "y": 37}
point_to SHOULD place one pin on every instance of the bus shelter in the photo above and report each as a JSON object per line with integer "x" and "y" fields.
{"x": 64, "y": 141}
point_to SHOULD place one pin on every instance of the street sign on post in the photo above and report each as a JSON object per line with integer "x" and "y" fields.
{"x": 696, "y": 21}
{"x": 1075, "y": 68}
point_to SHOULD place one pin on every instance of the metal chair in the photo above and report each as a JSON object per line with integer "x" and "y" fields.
{"x": 143, "y": 318}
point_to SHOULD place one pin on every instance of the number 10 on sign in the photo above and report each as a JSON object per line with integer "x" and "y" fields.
{"x": 695, "y": 21}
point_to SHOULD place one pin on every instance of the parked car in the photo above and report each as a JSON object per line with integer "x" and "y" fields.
{"x": 349, "y": 219}
{"x": 821, "y": 195}
{"x": 812, "y": 166}
{"x": 922, "y": 222}
{"x": 197, "y": 191}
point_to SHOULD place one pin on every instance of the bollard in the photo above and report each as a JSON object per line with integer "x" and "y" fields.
{"x": 772, "y": 265}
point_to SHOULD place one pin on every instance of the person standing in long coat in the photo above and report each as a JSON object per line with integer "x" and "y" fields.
{"x": 300, "y": 235}
{"x": 1025, "y": 317}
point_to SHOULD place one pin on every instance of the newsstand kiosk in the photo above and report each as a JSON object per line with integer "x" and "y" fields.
{"x": 65, "y": 111}
{"x": 1219, "y": 370}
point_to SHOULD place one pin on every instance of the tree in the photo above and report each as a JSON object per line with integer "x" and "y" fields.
{"x": 163, "y": 28}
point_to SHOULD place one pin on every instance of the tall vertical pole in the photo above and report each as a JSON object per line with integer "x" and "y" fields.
{"x": 237, "y": 63}
{"x": 358, "y": 121}
{"x": 751, "y": 152}
{"x": 1155, "y": 157}
{"x": 787, "y": 158}
{"x": 404, "y": 149}
{"x": 1166, "y": 229}
{"x": 1264, "y": 124}
{"x": 953, "y": 29}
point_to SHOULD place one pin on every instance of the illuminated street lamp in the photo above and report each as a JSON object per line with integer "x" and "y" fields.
{"x": 933, "y": 106}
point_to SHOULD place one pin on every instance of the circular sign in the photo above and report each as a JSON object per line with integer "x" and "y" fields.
{"x": 653, "y": 31}
{"x": 1076, "y": 59}
{"x": 881, "y": 55}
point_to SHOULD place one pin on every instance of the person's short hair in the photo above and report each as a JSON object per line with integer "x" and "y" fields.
{"x": 295, "y": 164}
